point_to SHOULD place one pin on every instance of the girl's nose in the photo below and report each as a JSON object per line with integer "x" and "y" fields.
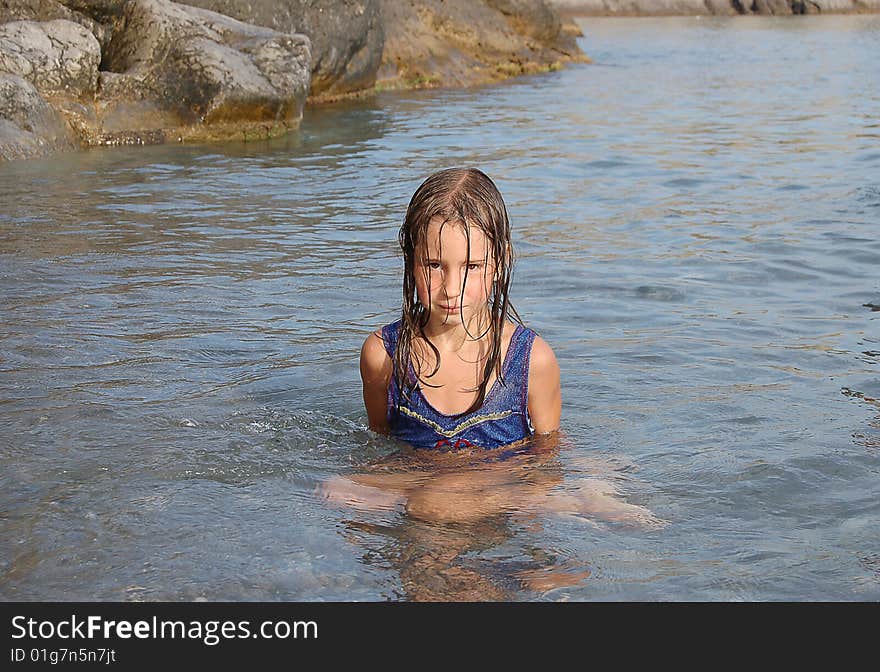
{"x": 452, "y": 284}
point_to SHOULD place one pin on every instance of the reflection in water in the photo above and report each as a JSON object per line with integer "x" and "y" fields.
{"x": 442, "y": 562}
{"x": 454, "y": 504}
{"x": 869, "y": 437}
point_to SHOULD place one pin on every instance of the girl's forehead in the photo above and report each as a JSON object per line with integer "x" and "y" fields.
{"x": 442, "y": 234}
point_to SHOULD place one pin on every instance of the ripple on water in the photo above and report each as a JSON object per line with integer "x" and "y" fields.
{"x": 272, "y": 443}
{"x": 659, "y": 293}
{"x": 685, "y": 182}
{"x": 869, "y": 195}
{"x": 603, "y": 164}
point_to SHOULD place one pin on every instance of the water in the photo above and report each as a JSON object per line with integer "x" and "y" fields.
{"x": 695, "y": 219}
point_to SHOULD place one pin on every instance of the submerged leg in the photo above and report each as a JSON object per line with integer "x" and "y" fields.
{"x": 360, "y": 496}
{"x": 545, "y": 579}
{"x": 595, "y": 498}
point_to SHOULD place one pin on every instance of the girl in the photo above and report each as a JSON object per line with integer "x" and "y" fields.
{"x": 457, "y": 378}
{"x": 454, "y": 372}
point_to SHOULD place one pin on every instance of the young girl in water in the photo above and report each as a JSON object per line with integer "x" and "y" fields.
{"x": 459, "y": 381}
{"x": 455, "y": 372}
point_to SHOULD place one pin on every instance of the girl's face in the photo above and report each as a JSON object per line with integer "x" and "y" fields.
{"x": 453, "y": 274}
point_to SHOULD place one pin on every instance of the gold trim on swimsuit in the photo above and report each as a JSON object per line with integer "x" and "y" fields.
{"x": 449, "y": 433}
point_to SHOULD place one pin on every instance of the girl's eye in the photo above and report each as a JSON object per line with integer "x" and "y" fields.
{"x": 433, "y": 265}
{"x": 475, "y": 267}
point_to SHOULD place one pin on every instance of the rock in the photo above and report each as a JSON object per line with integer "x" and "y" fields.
{"x": 414, "y": 42}
{"x": 782, "y": 7}
{"x": 174, "y": 65}
{"x": 29, "y": 126}
{"x": 723, "y": 7}
{"x": 33, "y": 10}
{"x": 167, "y": 72}
{"x": 720, "y": 7}
{"x": 47, "y": 10}
{"x": 461, "y": 42}
{"x": 771, "y": 7}
{"x": 58, "y": 57}
{"x": 534, "y": 19}
{"x": 347, "y": 36}
{"x": 147, "y": 71}
{"x": 636, "y": 7}
{"x": 835, "y": 6}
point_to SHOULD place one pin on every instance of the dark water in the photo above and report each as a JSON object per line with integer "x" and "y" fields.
{"x": 696, "y": 220}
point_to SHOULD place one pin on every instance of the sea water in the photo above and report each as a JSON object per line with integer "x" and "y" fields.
{"x": 695, "y": 218}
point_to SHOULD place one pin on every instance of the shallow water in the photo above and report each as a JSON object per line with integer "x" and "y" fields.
{"x": 695, "y": 219}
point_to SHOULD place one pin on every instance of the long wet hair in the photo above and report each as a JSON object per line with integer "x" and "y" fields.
{"x": 455, "y": 196}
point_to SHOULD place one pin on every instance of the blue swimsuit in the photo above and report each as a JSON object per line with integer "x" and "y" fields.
{"x": 501, "y": 420}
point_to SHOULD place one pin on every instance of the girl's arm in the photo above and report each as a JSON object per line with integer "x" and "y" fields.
{"x": 376, "y": 370}
{"x": 545, "y": 395}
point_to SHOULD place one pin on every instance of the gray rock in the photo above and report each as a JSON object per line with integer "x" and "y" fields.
{"x": 531, "y": 17}
{"x": 145, "y": 71}
{"x": 463, "y": 42}
{"x": 33, "y": 10}
{"x": 637, "y": 7}
{"x": 47, "y": 10}
{"x": 771, "y": 7}
{"x": 59, "y": 57}
{"x": 29, "y": 126}
{"x": 723, "y": 7}
{"x": 837, "y": 6}
{"x": 167, "y": 71}
{"x": 347, "y": 36}
{"x": 720, "y": 7}
{"x": 413, "y": 42}
{"x": 168, "y": 62}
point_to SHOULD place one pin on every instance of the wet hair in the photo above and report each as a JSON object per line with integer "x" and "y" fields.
{"x": 466, "y": 197}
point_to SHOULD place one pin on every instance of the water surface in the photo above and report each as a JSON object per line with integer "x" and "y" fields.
{"x": 695, "y": 218}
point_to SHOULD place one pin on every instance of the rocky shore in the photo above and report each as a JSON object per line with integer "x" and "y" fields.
{"x": 80, "y": 73}
{"x": 711, "y": 7}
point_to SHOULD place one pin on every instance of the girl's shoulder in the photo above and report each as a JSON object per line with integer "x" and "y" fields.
{"x": 376, "y": 356}
{"x": 543, "y": 359}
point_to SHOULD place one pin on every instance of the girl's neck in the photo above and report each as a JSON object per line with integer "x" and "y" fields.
{"x": 453, "y": 335}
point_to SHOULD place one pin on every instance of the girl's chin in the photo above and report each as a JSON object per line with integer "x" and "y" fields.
{"x": 440, "y": 316}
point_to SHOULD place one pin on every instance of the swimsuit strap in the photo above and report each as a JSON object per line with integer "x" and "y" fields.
{"x": 390, "y": 336}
